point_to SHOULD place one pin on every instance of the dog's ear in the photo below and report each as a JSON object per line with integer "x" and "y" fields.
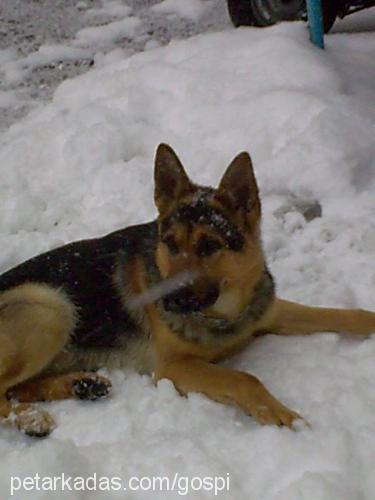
{"x": 238, "y": 187}
{"x": 171, "y": 180}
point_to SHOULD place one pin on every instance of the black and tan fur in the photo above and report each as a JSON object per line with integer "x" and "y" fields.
{"x": 170, "y": 297}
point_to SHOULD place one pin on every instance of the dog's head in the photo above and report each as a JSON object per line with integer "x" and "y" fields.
{"x": 210, "y": 238}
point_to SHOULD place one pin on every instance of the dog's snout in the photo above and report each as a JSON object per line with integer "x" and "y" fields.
{"x": 186, "y": 300}
{"x": 181, "y": 301}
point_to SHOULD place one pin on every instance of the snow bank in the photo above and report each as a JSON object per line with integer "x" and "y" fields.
{"x": 82, "y": 166}
{"x": 109, "y": 33}
{"x": 109, "y": 9}
{"x": 190, "y": 9}
{"x": 17, "y": 69}
{"x": 8, "y": 99}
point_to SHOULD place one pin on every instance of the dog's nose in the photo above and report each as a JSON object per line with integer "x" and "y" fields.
{"x": 181, "y": 301}
{"x": 185, "y": 300}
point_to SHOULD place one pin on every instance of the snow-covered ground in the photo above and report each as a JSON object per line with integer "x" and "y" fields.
{"x": 44, "y": 42}
{"x": 82, "y": 166}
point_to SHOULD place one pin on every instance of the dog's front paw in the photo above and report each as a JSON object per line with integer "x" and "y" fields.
{"x": 266, "y": 409}
{"x": 91, "y": 387}
{"x": 32, "y": 421}
{"x": 271, "y": 413}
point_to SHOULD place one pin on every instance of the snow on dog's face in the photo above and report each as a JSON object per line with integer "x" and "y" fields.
{"x": 210, "y": 237}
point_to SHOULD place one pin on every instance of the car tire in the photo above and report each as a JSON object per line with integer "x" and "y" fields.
{"x": 330, "y": 10}
{"x": 268, "y": 12}
{"x": 240, "y": 12}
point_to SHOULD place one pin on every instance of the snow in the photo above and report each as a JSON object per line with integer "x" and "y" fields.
{"x": 8, "y": 99}
{"x": 108, "y": 33}
{"x": 111, "y": 8}
{"x": 27, "y": 28}
{"x": 190, "y": 9}
{"x": 82, "y": 166}
{"x": 17, "y": 69}
{"x": 7, "y": 55}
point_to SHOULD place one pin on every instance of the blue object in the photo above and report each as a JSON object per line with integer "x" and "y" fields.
{"x": 315, "y": 19}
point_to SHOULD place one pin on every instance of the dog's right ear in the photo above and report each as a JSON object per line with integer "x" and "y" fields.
{"x": 238, "y": 184}
{"x": 171, "y": 180}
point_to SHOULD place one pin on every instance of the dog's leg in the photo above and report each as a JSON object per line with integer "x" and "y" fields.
{"x": 35, "y": 323}
{"x": 30, "y": 420}
{"x": 296, "y": 319}
{"x": 80, "y": 385}
{"x": 229, "y": 387}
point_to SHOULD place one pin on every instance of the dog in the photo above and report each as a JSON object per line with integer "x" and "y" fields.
{"x": 171, "y": 297}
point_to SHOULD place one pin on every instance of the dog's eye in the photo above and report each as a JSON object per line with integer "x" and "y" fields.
{"x": 171, "y": 244}
{"x": 207, "y": 247}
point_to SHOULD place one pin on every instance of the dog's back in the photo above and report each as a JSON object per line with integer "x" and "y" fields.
{"x": 84, "y": 270}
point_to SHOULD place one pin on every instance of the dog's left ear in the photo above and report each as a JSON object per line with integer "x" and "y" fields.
{"x": 238, "y": 187}
{"x": 171, "y": 180}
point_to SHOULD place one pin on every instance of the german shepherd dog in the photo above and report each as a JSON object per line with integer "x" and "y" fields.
{"x": 170, "y": 297}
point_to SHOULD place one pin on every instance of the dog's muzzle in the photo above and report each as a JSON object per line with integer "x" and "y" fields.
{"x": 185, "y": 300}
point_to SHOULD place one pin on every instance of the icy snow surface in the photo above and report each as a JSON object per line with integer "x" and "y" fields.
{"x": 192, "y": 9}
{"x": 46, "y": 41}
{"x": 82, "y": 166}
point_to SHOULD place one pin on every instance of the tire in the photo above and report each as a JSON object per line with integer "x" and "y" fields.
{"x": 330, "y": 10}
{"x": 240, "y": 12}
{"x": 268, "y": 12}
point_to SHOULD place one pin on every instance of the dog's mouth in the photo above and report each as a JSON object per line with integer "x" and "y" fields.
{"x": 164, "y": 288}
{"x": 186, "y": 301}
{"x": 177, "y": 295}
